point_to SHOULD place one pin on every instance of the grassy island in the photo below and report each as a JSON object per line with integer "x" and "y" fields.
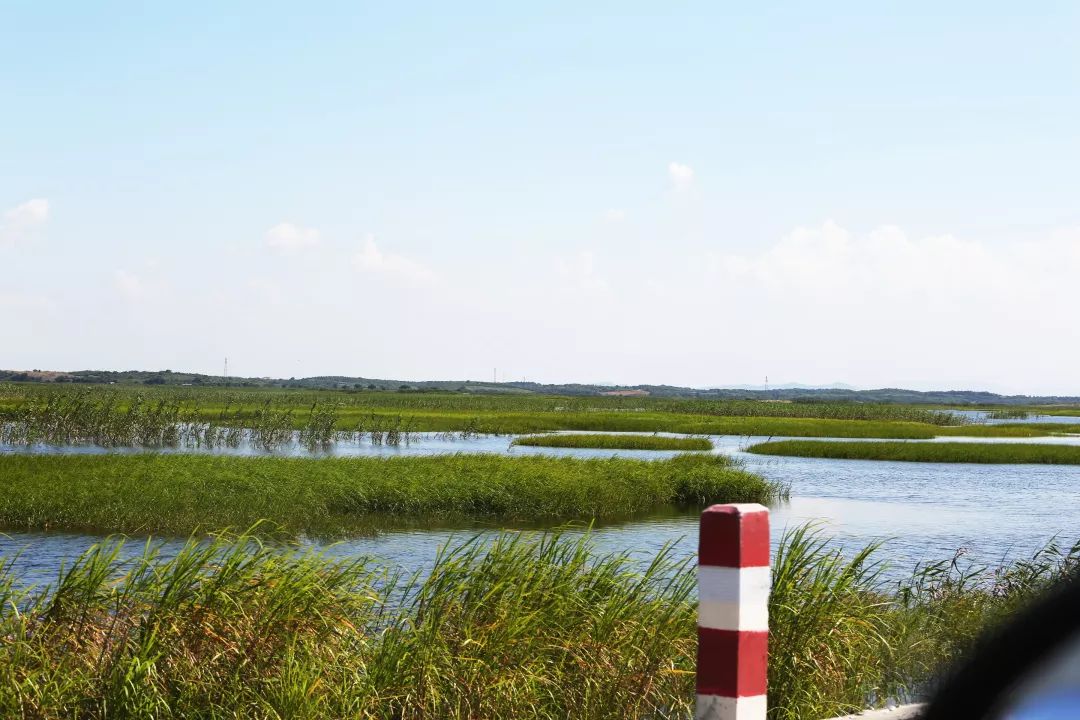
{"x": 945, "y": 452}
{"x": 623, "y": 441}
{"x": 179, "y": 494}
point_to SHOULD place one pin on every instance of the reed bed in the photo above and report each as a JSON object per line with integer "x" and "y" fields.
{"x": 1056, "y": 410}
{"x": 1010, "y": 430}
{"x": 233, "y": 628}
{"x": 178, "y": 494}
{"x": 617, "y": 442}
{"x": 523, "y": 626}
{"x": 842, "y": 639}
{"x": 116, "y": 420}
{"x": 1008, "y": 414}
{"x": 954, "y": 452}
{"x": 59, "y": 415}
{"x": 410, "y": 403}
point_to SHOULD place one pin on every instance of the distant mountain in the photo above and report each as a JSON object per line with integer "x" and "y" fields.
{"x": 788, "y": 392}
{"x": 785, "y": 386}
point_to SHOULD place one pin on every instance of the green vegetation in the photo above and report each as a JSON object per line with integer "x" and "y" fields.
{"x": 164, "y": 417}
{"x": 1008, "y": 430}
{"x": 353, "y": 384}
{"x": 524, "y": 627}
{"x": 925, "y": 452}
{"x": 1008, "y": 414}
{"x": 617, "y": 442}
{"x": 1069, "y": 411}
{"x": 179, "y": 494}
{"x": 215, "y": 399}
{"x": 518, "y": 629}
{"x": 216, "y": 417}
{"x": 839, "y": 636}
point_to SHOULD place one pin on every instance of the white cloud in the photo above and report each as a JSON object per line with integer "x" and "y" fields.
{"x": 831, "y": 261}
{"x": 887, "y": 307}
{"x": 682, "y": 176}
{"x": 373, "y": 260}
{"x": 579, "y": 271}
{"x": 614, "y": 215}
{"x": 129, "y": 285}
{"x": 20, "y": 220}
{"x": 287, "y": 237}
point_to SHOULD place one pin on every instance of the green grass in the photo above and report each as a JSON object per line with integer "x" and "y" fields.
{"x": 925, "y": 452}
{"x": 233, "y": 629}
{"x": 617, "y": 442}
{"x": 840, "y": 635}
{"x": 1073, "y": 411}
{"x": 153, "y": 416}
{"x": 179, "y": 494}
{"x": 522, "y": 627}
{"x": 213, "y": 400}
{"x": 1010, "y": 430}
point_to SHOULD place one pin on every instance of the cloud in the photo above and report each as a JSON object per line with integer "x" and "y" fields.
{"x": 129, "y": 285}
{"x": 831, "y": 261}
{"x": 21, "y": 219}
{"x": 614, "y": 215}
{"x": 579, "y": 271}
{"x": 880, "y": 307}
{"x": 884, "y": 303}
{"x": 371, "y": 259}
{"x": 286, "y": 237}
{"x": 682, "y": 176}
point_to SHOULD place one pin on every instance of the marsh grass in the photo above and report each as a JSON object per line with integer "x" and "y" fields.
{"x": 12, "y": 395}
{"x": 1009, "y": 430}
{"x": 1008, "y": 414}
{"x": 522, "y": 626}
{"x": 842, "y": 639}
{"x": 617, "y": 442}
{"x": 44, "y": 414}
{"x": 179, "y": 494}
{"x": 112, "y": 419}
{"x": 954, "y": 452}
{"x": 526, "y": 628}
{"x": 828, "y": 646}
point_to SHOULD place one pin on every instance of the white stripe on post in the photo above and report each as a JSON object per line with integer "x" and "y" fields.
{"x": 733, "y": 612}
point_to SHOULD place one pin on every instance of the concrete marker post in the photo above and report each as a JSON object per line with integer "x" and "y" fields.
{"x": 733, "y": 612}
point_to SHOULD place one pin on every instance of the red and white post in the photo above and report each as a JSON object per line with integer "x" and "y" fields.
{"x": 733, "y": 612}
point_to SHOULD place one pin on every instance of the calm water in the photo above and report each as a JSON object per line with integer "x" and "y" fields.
{"x": 924, "y": 511}
{"x": 982, "y": 417}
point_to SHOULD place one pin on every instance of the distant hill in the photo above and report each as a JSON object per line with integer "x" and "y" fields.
{"x": 789, "y": 393}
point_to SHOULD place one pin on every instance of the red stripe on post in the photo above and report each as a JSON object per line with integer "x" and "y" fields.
{"x": 733, "y": 538}
{"x": 732, "y": 663}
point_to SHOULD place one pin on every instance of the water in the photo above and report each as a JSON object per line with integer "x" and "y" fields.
{"x": 417, "y": 444}
{"x": 923, "y": 511}
{"x": 982, "y": 417}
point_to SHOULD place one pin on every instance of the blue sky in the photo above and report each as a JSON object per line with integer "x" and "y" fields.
{"x": 689, "y": 193}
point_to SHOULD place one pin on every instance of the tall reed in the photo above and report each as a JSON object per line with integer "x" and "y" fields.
{"x": 263, "y": 410}
{"x": 523, "y": 626}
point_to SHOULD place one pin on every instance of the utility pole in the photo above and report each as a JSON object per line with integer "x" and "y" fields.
{"x": 226, "y": 371}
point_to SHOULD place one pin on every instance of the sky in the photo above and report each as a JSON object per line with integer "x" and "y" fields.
{"x": 703, "y": 194}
